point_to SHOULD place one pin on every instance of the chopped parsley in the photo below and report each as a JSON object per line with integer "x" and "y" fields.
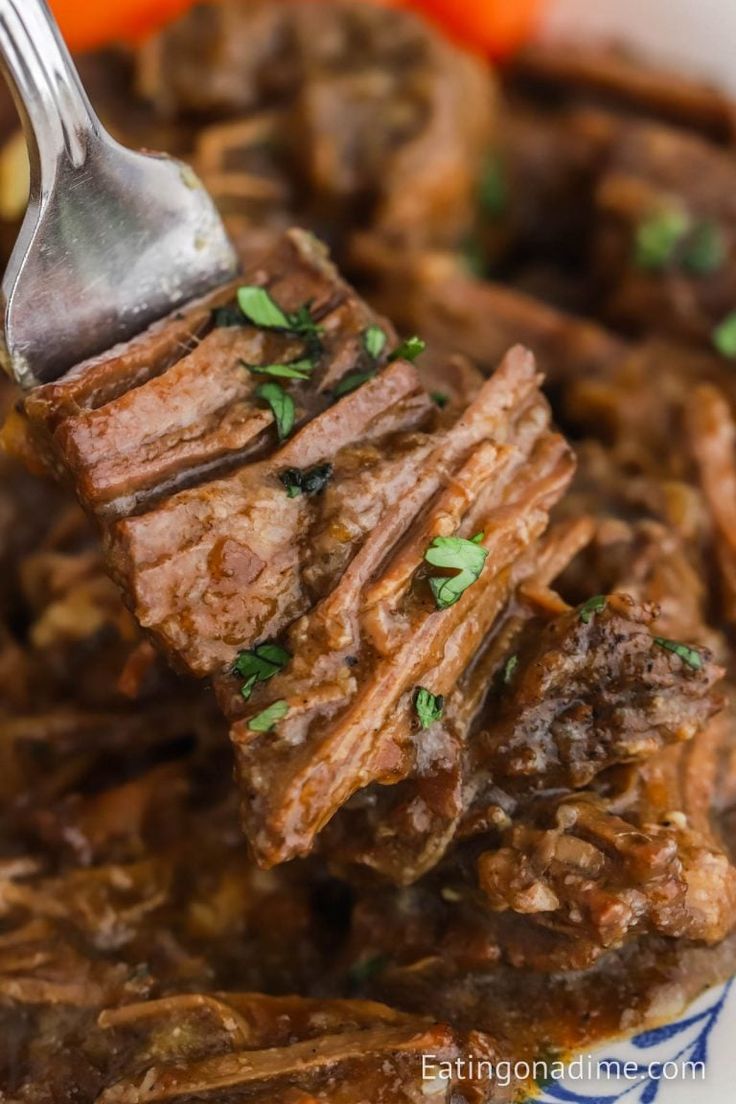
{"x": 509, "y": 669}
{"x": 267, "y": 720}
{"x": 494, "y": 191}
{"x": 309, "y": 482}
{"x": 706, "y": 250}
{"x": 467, "y": 557}
{"x": 658, "y": 236}
{"x": 440, "y": 399}
{"x": 352, "y": 382}
{"x": 227, "y": 316}
{"x": 260, "y": 665}
{"x": 297, "y": 369}
{"x": 282, "y": 407}
{"x": 259, "y": 308}
{"x": 374, "y": 342}
{"x": 724, "y": 336}
{"x": 591, "y": 607}
{"x": 363, "y": 971}
{"x": 688, "y": 655}
{"x": 429, "y": 707}
{"x": 409, "y": 349}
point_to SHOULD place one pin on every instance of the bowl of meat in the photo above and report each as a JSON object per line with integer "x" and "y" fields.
{"x": 367, "y": 626}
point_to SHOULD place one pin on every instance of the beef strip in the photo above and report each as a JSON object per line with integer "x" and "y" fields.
{"x": 257, "y": 1048}
{"x": 600, "y": 74}
{"x": 712, "y": 433}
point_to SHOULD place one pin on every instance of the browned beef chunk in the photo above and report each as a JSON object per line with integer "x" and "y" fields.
{"x": 591, "y": 874}
{"x": 342, "y": 115}
{"x": 592, "y": 688}
{"x": 199, "y": 564}
{"x": 363, "y": 651}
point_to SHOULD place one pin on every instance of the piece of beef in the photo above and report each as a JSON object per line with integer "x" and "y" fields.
{"x": 496, "y": 472}
{"x": 131, "y": 429}
{"x": 232, "y": 560}
{"x": 567, "y": 71}
{"x": 665, "y": 232}
{"x": 342, "y": 115}
{"x": 590, "y": 874}
{"x": 263, "y": 1049}
{"x": 712, "y": 435}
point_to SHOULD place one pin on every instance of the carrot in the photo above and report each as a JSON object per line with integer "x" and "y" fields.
{"x": 86, "y": 25}
{"x": 493, "y": 27}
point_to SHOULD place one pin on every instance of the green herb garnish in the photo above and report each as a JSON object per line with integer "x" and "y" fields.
{"x": 269, "y": 718}
{"x": 260, "y": 665}
{"x": 351, "y": 383}
{"x": 440, "y": 399}
{"x": 282, "y": 407}
{"x": 509, "y": 669}
{"x": 309, "y": 482}
{"x": 429, "y": 707}
{"x": 706, "y": 249}
{"x": 409, "y": 349}
{"x": 688, "y": 655}
{"x": 591, "y": 607}
{"x": 367, "y": 968}
{"x": 466, "y": 556}
{"x": 724, "y": 337}
{"x": 658, "y": 236}
{"x": 374, "y": 341}
{"x": 494, "y": 192}
{"x": 297, "y": 369}
{"x": 260, "y": 309}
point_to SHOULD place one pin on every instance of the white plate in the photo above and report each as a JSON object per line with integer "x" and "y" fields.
{"x": 691, "y": 1061}
{"x": 697, "y": 36}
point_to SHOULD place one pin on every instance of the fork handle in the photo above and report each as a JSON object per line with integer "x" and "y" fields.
{"x": 57, "y": 116}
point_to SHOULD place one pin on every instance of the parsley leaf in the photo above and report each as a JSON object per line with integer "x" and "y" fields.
{"x": 591, "y": 607}
{"x": 429, "y": 707}
{"x": 367, "y": 968}
{"x": 351, "y": 383}
{"x": 688, "y": 655}
{"x": 658, "y": 236}
{"x": 409, "y": 349}
{"x": 227, "y": 316}
{"x": 494, "y": 192}
{"x": 724, "y": 337}
{"x": 308, "y": 482}
{"x": 297, "y": 369}
{"x": 269, "y": 718}
{"x": 466, "y": 556}
{"x": 282, "y": 407}
{"x": 706, "y": 249}
{"x": 374, "y": 341}
{"x": 260, "y": 309}
{"x": 509, "y": 669}
{"x": 440, "y": 399}
{"x": 260, "y": 665}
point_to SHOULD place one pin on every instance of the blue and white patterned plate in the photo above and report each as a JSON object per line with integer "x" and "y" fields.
{"x": 691, "y": 1061}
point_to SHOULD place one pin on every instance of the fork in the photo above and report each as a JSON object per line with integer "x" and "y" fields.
{"x": 112, "y": 240}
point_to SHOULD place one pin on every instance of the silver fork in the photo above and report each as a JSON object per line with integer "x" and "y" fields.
{"x": 112, "y": 240}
